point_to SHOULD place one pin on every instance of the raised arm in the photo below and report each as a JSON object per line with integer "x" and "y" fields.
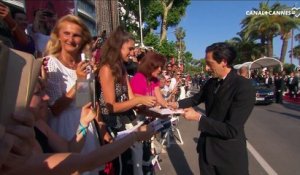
{"x": 59, "y": 144}
{"x": 16, "y": 31}
{"x": 66, "y": 99}
{"x": 68, "y": 163}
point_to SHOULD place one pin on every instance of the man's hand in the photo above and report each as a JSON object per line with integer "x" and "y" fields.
{"x": 191, "y": 114}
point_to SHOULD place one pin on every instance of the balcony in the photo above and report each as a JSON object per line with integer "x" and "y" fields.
{"x": 86, "y": 9}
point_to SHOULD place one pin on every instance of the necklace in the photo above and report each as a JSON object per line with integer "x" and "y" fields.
{"x": 69, "y": 64}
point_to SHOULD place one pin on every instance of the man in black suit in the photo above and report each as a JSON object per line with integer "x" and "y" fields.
{"x": 279, "y": 86}
{"x": 229, "y": 100}
{"x": 268, "y": 80}
{"x": 292, "y": 84}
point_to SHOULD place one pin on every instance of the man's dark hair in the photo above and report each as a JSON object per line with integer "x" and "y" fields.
{"x": 222, "y": 51}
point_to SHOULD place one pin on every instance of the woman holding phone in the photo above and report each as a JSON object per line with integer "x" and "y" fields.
{"x": 68, "y": 40}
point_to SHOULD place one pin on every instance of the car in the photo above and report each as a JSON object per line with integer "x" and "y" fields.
{"x": 264, "y": 94}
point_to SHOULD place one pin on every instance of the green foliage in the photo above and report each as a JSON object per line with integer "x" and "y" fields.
{"x": 188, "y": 57}
{"x": 151, "y": 40}
{"x": 177, "y": 12}
{"x": 151, "y": 13}
{"x": 167, "y": 48}
{"x": 288, "y": 68}
{"x": 247, "y": 50}
{"x": 195, "y": 66}
{"x": 266, "y": 27}
{"x": 193, "y": 69}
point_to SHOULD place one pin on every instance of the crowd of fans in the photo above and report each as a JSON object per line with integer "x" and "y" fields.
{"x": 55, "y": 135}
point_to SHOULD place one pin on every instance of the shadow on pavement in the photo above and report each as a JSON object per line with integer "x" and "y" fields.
{"x": 286, "y": 114}
{"x": 178, "y": 160}
{"x": 292, "y": 106}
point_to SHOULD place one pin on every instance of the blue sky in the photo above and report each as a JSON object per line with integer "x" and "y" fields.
{"x": 207, "y": 22}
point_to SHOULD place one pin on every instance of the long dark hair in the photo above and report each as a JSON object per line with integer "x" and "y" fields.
{"x": 111, "y": 52}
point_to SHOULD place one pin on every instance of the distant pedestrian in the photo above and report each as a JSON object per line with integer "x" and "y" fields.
{"x": 279, "y": 87}
{"x": 243, "y": 71}
{"x": 292, "y": 84}
{"x": 268, "y": 80}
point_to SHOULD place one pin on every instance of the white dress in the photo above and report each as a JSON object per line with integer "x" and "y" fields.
{"x": 60, "y": 80}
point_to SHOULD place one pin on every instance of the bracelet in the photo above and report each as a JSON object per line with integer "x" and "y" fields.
{"x": 14, "y": 28}
{"x": 82, "y": 129}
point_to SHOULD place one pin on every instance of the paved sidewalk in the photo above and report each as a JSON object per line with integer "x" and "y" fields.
{"x": 182, "y": 159}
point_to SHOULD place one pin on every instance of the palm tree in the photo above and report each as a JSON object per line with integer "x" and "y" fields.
{"x": 247, "y": 49}
{"x": 180, "y": 35}
{"x": 263, "y": 27}
{"x": 287, "y": 24}
{"x": 296, "y": 53}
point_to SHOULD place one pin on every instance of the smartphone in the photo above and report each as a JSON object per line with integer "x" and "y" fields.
{"x": 85, "y": 59}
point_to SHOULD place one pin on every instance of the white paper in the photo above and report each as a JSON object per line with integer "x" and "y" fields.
{"x": 166, "y": 111}
{"x": 126, "y": 132}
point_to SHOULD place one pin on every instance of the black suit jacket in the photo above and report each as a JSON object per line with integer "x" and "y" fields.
{"x": 293, "y": 84}
{"x": 279, "y": 84}
{"x": 227, "y": 110}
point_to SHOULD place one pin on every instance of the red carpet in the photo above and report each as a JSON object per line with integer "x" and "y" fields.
{"x": 296, "y": 100}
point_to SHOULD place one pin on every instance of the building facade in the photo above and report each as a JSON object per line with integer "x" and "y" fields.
{"x": 85, "y": 9}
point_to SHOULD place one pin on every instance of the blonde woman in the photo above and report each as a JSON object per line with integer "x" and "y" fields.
{"x": 69, "y": 38}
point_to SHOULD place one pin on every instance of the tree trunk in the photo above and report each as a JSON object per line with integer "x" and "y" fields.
{"x": 264, "y": 45}
{"x": 107, "y": 16}
{"x": 283, "y": 49}
{"x": 164, "y": 17}
{"x": 270, "y": 47}
{"x": 163, "y": 32}
{"x": 115, "y": 14}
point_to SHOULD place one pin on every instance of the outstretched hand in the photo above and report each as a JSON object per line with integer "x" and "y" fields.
{"x": 88, "y": 113}
{"x": 191, "y": 114}
{"x": 149, "y": 101}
